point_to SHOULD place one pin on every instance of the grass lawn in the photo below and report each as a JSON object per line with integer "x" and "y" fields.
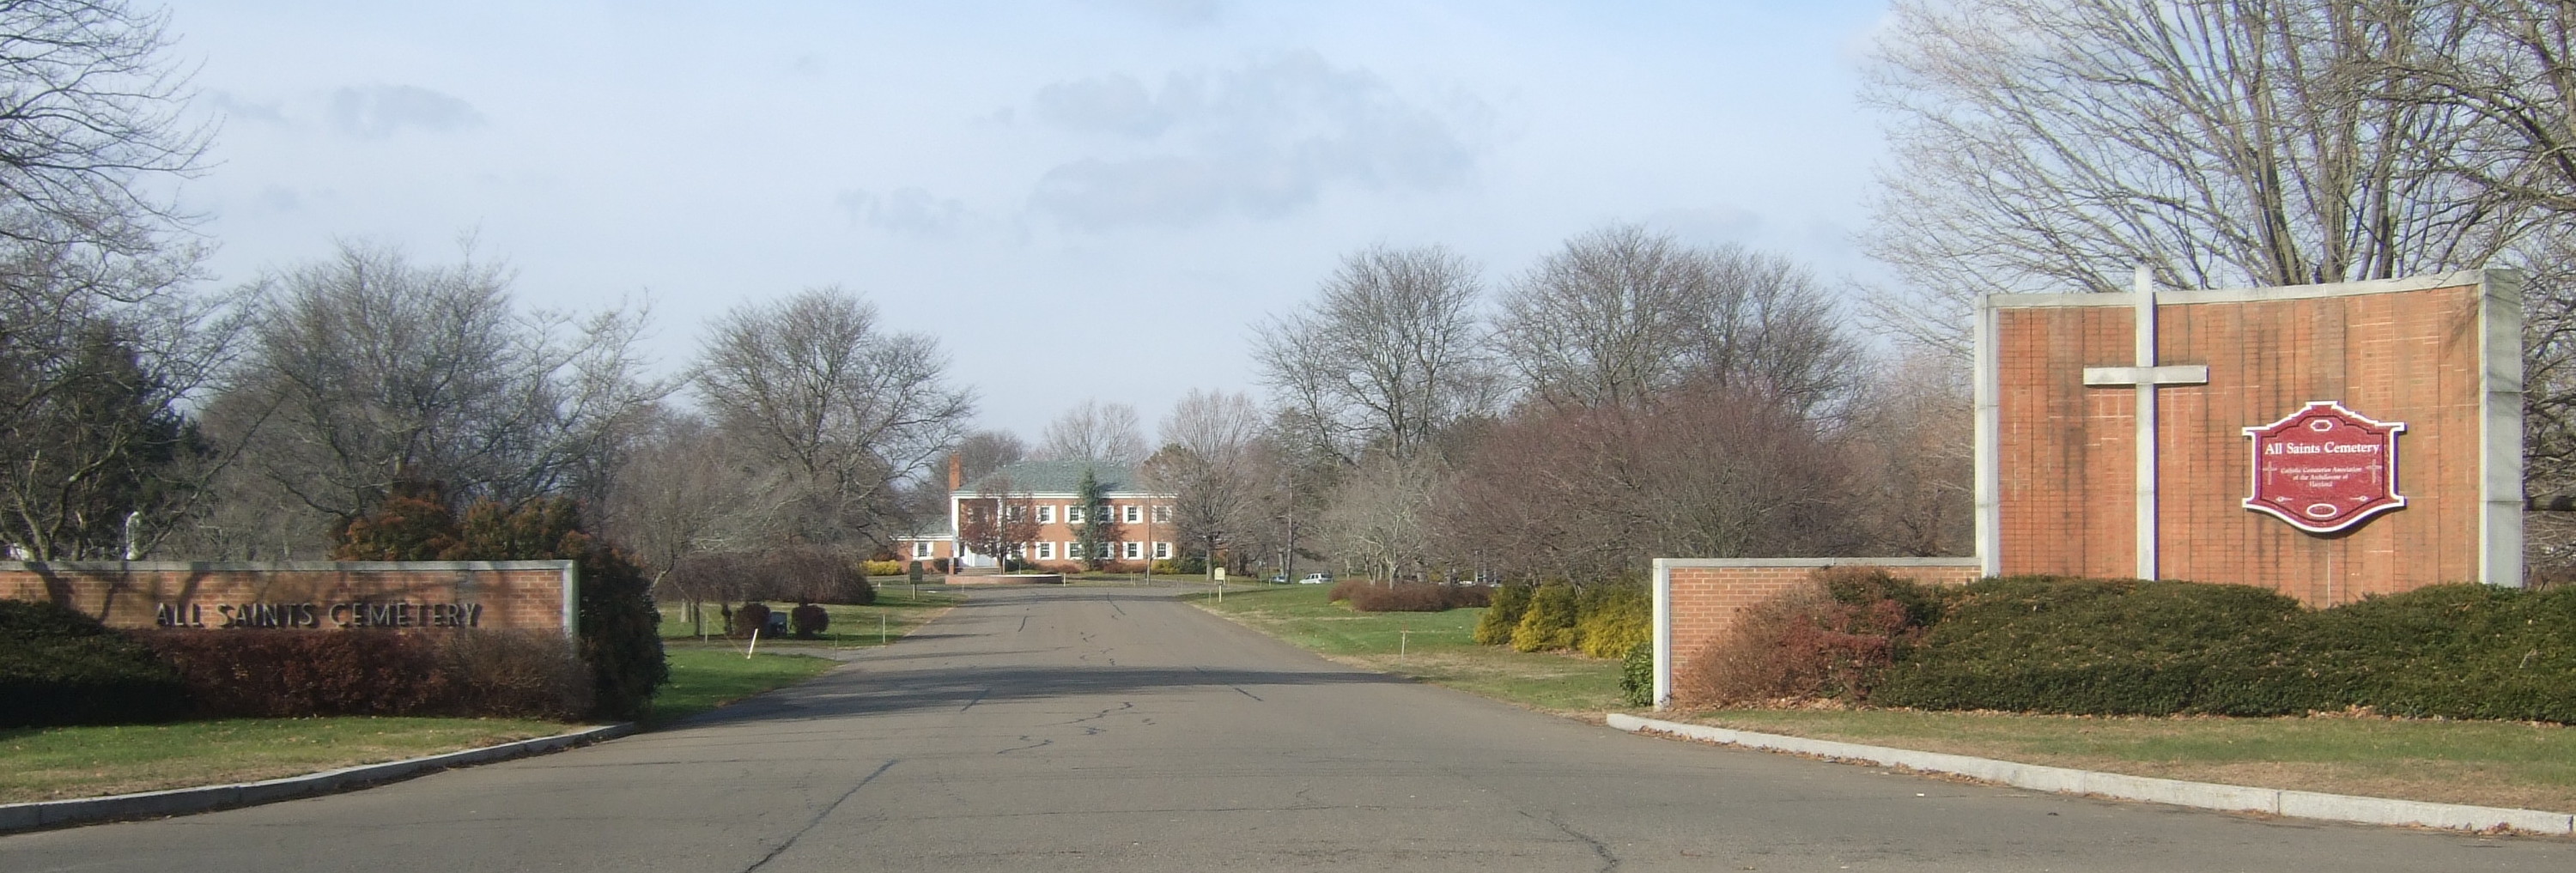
{"x": 899, "y": 608}
{"x": 1436, "y": 647}
{"x": 65, "y": 762}
{"x": 703, "y": 679}
{"x": 2483, "y": 763}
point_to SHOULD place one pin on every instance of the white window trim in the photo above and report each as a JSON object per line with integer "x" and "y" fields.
{"x": 1162, "y": 551}
{"x": 1073, "y": 513}
{"x": 1132, "y": 550}
{"x": 1073, "y": 550}
{"x": 1046, "y": 551}
{"x": 1132, "y": 514}
{"x": 1162, "y": 513}
{"x": 1046, "y": 514}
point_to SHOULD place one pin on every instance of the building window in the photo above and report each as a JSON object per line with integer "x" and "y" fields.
{"x": 1134, "y": 549}
{"x": 1134, "y": 514}
{"x": 1073, "y": 513}
{"x": 1014, "y": 512}
{"x": 1162, "y": 551}
{"x": 1046, "y": 551}
{"x": 1073, "y": 551}
{"x": 921, "y": 549}
{"x": 1046, "y": 514}
{"x": 1162, "y": 514}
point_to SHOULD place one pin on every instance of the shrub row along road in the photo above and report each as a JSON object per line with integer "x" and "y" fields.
{"x": 1118, "y": 730}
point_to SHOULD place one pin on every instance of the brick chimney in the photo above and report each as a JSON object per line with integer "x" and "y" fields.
{"x": 956, "y": 472}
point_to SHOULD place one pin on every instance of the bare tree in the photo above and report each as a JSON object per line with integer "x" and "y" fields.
{"x": 1589, "y": 493}
{"x": 840, "y": 410}
{"x": 2512, "y": 67}
{"x": 90, "y": 122}
{"x": 1000, "y": 520}
{"x": 97, "y": 457}
{"x": 1108, "y": 433}
{"x": 985, "y": 451}
{"x": 2046, "y": 145}
{"x": 1381, "y": 515}
{"x": 1910, "y": 438}
{"x": 1387, "y": 357}
{"x": 1620, "y": 316}
{"x": 1209, "y": 462}
{"x": 100, "y": 344}
{"x": 677, "y": 492}
{"x": 367, "y": 370}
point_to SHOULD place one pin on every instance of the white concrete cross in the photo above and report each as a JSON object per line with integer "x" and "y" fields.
{"x": 2145, "y": 377}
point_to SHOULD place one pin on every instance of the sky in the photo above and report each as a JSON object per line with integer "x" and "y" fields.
{"x": 1078, "y": 199}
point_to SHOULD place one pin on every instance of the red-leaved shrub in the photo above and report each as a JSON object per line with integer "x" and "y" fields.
{"x": 517, "y": 673}
{"x": 1825, "y": 639}
{"x": 1412, "y": 597}
{"x": 808, "y": 621}
{"x": 296, "y": 673}
{"x": 750, "y": 618}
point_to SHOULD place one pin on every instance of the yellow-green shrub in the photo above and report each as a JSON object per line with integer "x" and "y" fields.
{"x": 1549, "y": 622}
{"x": 1614, "y": 618}
{"x": 1502, "y": 615}
{"x": 885, "y": 568}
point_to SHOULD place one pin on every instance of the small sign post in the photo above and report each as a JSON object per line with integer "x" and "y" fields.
{"x": 2325, "y": 468}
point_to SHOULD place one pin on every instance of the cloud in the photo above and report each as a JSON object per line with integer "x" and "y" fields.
{"x": 1176, "y": 13}
{"x": 1703, "y": 226}
{"x": 279, "y": 198}
{"x": 903, "y": 210}
{"x": 1263, "y": 140}
{"x": 380, "y": 111}
{"x": 1116, "y": 104}
{"x": 243, "y": 110}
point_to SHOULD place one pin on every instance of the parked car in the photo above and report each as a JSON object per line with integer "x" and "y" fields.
{"x": 1277, "y": 579}
{"x": 1315, "y": 579}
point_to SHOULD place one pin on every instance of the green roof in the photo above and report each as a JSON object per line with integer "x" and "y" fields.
{"x": 1057, "y": 477}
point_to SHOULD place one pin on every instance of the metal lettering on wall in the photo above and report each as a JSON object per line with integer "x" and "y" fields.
{"x": 2325, "y": 468}
{"x": 401, "y": 614}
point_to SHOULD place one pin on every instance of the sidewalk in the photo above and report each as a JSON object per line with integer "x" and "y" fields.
{"x": 2202, "y": 795}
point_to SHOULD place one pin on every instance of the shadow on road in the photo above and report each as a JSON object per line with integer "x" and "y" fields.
{"x": 863, "y": 693}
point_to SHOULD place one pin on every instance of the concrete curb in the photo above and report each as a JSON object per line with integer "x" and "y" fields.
{"x": 180, "y": 801}
{"x": 2203, "y": 795}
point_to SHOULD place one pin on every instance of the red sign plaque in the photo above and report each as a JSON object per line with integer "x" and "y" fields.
{"x": 2325, "y": 468}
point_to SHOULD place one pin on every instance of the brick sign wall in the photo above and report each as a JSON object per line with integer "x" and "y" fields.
{"x": 319, "y": 596}
{"x": 2059, "y": 458}
{"x": 1696, "y": 600}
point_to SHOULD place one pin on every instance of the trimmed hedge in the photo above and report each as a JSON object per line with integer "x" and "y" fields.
{"x": 2130, "y": 647}
{"x": 61, "y": 667}
{"x": 808, "y": 621}
{"x": 299, "y": 674}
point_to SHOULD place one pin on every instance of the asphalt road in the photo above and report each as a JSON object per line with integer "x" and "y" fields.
{"x": 1118, "y": 730}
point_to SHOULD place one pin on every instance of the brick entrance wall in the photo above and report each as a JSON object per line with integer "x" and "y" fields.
{"x": 1697, "y": 599}
{"x": 520, "y": 595}
{"x": 2058, "y": 460}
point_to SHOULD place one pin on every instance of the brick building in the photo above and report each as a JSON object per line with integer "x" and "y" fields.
{"x": 1050, "y": 492}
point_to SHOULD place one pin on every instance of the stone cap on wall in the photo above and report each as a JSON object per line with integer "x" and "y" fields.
{"x": 1661, "y": 563}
